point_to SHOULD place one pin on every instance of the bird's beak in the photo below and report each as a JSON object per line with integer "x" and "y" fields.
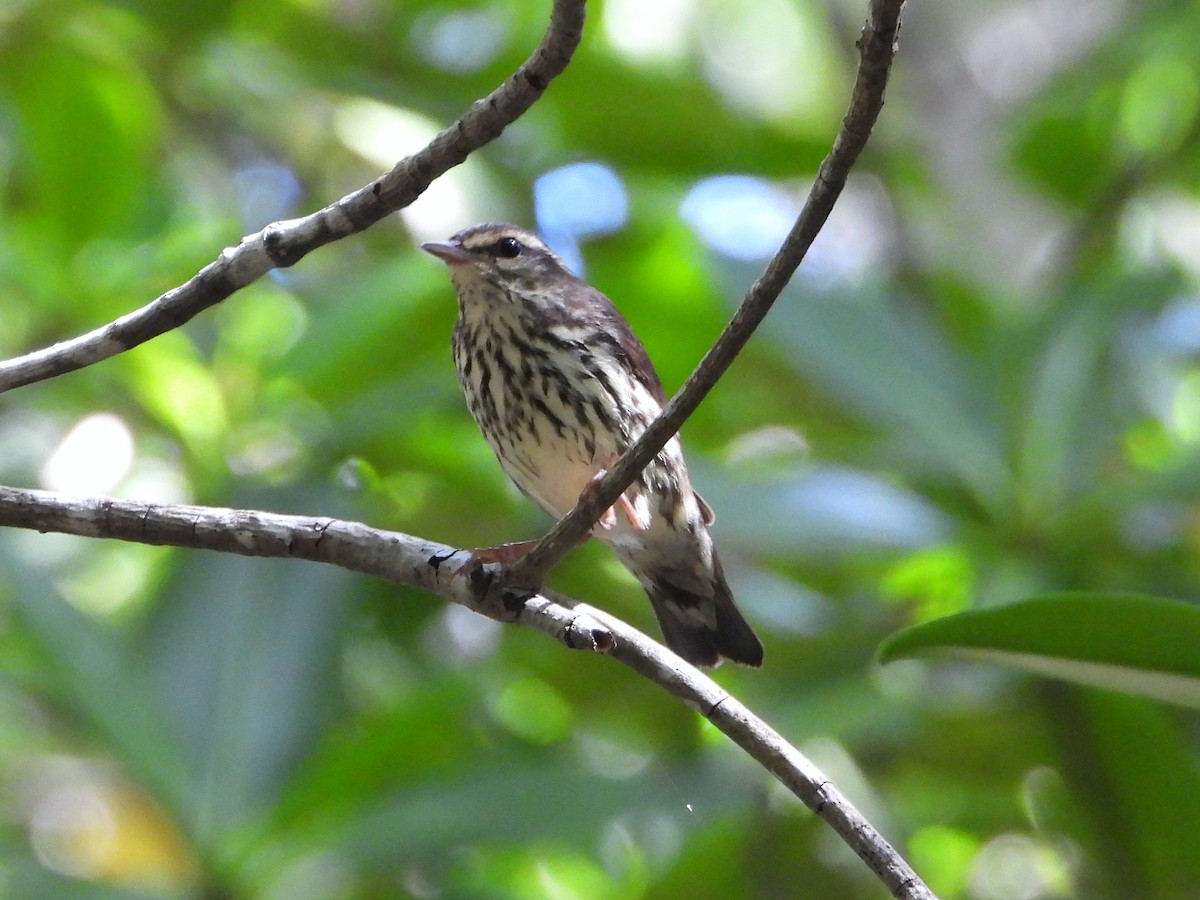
{"x": 450, "y": 254}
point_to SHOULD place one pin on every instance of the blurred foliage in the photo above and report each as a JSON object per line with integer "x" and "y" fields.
{"x": 983, "y": 385}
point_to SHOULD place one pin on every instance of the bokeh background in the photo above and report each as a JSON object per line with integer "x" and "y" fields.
{"x": 983, "y": 384}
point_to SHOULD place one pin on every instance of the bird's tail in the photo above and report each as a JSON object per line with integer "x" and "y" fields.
{"x": 703, "y": 628}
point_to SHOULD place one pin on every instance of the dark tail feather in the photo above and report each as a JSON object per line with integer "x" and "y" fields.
{"x": 704, "y": 630}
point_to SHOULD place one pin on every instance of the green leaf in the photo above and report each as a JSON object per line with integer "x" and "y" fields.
{"x": 1133, "y": 644}
{"x": 1057, "y": 452}
{"x": 245, "y": 674}
{"x": 1151, "y": 791}
{"x": 96, "y": 675}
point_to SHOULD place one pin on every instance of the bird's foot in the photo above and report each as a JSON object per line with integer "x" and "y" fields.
{"x": 485, "y": 570}
{"x": 501, "y": 600}
{"x": 486, "y": 573}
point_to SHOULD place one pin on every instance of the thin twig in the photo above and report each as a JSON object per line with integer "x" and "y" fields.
{"x": 766, "y": 746}
{"x": 445, "y": 571}
{"x": 876, "y": 48}
{"x": 283, "y": 244}
{"x": 391, "y": 555}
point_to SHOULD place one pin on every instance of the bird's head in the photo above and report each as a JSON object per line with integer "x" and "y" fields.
{"x": 503, "y": 255}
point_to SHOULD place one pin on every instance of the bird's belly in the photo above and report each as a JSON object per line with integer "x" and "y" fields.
{"x": 554, "y": 471}
{"x": 551, "y": 474}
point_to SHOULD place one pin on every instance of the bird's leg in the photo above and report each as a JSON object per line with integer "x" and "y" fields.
{"x": 608, "y": 520}
{"x": 504, "y": 554}
{"x": 638, "y": 523}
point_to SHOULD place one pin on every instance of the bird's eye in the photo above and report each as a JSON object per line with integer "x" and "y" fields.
{"x": 508, "y": 248}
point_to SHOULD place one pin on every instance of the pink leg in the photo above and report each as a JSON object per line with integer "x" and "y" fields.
{"x": 631, "y": 514}
{"x": 505, "y": 554}
{"x": 608, "y": 520}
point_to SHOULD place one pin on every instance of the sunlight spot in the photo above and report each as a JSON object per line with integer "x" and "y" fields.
{"x": 266, "y": 191}
{"x": 1176, "y": 328}
{"x": 582, "y": 199}
{"x": 1165, "y": 227}
{"x": 111, "y": 581}
{"x": 157, "y": 481}
{"x": 765, "y": 57}
{"x": 610, "y": 759}
{"x": 1012, "y": 55}
{"x": 740, "y": 216}
{"x": 766, "y": 445}
{"x": 459, "y": 636}
{"x": 629, "y": 841}
{"x": 562, "y": 878}
{"x": 72, "y": 829}
{"x": 931, "y": 582}
{"x": 93, "y": 457}
{"x": 262, "y": 324}
{"x": 1015, "y": 48}
{"x": 264, "y": 449}
{"x": 462, "y": 41}
{"x": 650, "y": 31}
{"x": 1185, "y": 410}
{"x": 85, "y": 823}
{"x": 577, "y": 202}
{"x": 1180, "y": 233}
{"x": 1158, "y": 102}
{"x": 1043, "y": 792}
{"x": 383, "y": 135}
{"x": 857, "y": 240}
{"x": 1018, "y": 867}
{"x": 944, "y": 856}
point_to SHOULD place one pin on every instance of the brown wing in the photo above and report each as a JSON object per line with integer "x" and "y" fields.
{"x": 639, "y": 360}
{"x": 629, "y": 344}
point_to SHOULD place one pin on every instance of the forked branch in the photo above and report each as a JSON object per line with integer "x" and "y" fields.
{"x": 876, "y": 48}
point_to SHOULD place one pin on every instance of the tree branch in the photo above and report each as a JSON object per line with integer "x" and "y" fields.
{"x": 448, "y": 573}
{"x": 877, "y": 45}
{"x": 437, "y": 568}
{"x": 285, "y": 243}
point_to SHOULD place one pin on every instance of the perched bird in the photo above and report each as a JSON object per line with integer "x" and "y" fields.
{"x": 560, "y": 386}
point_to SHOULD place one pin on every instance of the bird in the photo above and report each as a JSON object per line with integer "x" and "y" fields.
{"x": 560, "y": 385}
